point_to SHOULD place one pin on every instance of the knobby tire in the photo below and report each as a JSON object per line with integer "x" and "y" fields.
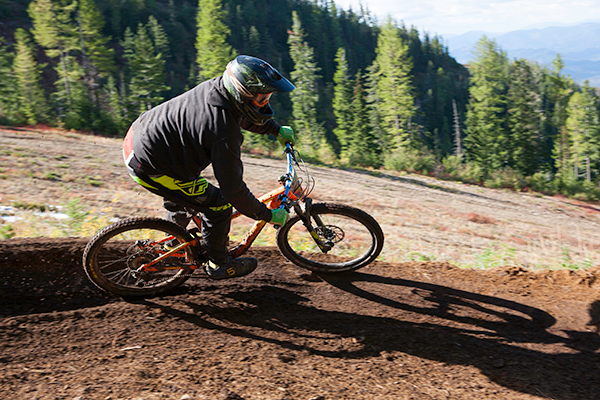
{"x": 111, "y": 255}
{"x": 356, "y": 236}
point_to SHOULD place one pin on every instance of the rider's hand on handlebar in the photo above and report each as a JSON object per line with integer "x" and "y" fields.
{"x": 279, "y": 217}
{"x": 286, "y": 135}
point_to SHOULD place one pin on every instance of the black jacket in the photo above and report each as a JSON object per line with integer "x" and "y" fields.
{"x": 181, "y": 137}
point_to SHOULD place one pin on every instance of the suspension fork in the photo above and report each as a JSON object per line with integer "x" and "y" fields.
{"x": 306, "y": 217}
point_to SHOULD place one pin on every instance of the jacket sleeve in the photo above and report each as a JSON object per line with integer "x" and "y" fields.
{"x": 229, "y": 171}
{"x": 270, "y": 127}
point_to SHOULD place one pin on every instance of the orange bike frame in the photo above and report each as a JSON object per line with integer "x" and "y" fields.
{"x": 272, "y": 201}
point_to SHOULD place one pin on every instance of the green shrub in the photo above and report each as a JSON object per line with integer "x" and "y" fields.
{"x": 496, "y": 256}
{"x": 454, "y": 168}
{"x": 570, "y": 186}
{"x": 541, "y": 182}
{"x": 7, "y": 232}
{"x": 506, "y": 178}
{"x": 77, "y": 214}
{"x": 410, "y": 160}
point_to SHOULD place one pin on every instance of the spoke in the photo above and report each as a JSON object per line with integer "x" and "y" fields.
{"x": 116, "y": 273}
{"x": 125, "y": 274}
{"x": 105, "y": 264}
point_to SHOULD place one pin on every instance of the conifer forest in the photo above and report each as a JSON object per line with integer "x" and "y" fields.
{"x": 370, "y": 93}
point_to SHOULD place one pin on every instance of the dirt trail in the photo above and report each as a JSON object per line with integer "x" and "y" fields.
{"x": 389, "y": 331}
{"x": 411, "y": 330}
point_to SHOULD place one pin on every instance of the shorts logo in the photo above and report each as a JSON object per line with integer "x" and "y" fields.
{"x": 221, "y": 208}
{"x": 193, "y": 188}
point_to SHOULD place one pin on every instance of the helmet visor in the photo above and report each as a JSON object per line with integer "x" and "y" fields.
{"x": 261, "y": 99}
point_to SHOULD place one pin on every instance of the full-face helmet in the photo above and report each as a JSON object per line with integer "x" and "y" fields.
{"x": 250, "y": 82}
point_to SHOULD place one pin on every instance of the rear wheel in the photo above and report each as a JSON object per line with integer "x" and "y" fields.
{"x": 113, "y": 256}
{"x": 352, "y": 239}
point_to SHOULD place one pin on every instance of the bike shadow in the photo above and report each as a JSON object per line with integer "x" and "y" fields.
{"x": 507, "y": 341}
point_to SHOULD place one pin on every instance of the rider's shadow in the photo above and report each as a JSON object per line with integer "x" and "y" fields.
{"x": 506, "y": 340}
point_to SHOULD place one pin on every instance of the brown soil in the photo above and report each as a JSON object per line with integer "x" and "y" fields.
{"x": 388, "y": 331}
{"x": 393, "y": 330}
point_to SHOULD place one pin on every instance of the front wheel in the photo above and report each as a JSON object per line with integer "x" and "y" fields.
{"x": 352, "y": 239}
{"x": 112, "y": 259}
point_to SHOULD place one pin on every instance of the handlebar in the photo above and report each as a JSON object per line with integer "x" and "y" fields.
{"x": 292, "y": 184}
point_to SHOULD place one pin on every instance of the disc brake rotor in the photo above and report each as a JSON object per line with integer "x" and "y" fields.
{"x": 330, "y": 233}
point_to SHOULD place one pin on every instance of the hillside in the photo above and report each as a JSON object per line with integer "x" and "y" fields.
{"x": 424, "y": 219}
{"x": 393, "y": 330}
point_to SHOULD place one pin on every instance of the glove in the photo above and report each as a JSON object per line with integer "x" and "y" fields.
{"x": 286, "y": 135}
{"x": 279, "y": 217}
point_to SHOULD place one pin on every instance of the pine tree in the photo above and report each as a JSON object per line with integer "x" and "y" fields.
{"x": 159, "y": 37}
{"x": 373, "y": 102}
{"x": 394, "y": 87}
{"x": 54, "y": 30}
{"x": 523, "y": 104}
{"x": 342, "y": 100}
{"x": 97, "y": 57}
{"x": 212, "y": 50}
{"x": 583, "y": 127}
{"x": 486, "y": 138}
{"x": 95, "y": 45}
{"x": 363, "y": 149}
{"x": 147, "y": 70}
{"x": 310, "y": 133}
{"x": 9, "y": 102}
{"x": 32, "y": 102}
{"x": 558, "y": 94}
{"x": 254, "y": 42}
{"x": 116, "y": 105}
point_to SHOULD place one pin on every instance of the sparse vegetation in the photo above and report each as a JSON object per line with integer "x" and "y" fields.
{"x": 51, "y": 176}
{"x": 424, "y": 219}
{"x": 7, "y": 231}
{"x": 76, "y": 213}
{"x": 93, "y": 181}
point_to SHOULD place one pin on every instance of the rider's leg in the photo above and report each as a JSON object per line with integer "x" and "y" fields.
{"x": 216, "y": 217}
{"x": 216, "y": 222}
{"x": 181, "y": 218}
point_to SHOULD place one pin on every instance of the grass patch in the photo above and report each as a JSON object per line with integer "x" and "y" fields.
{"x": 567, "y": 261}
{"x": 30, "y": 206}
{"x": 51, "y": 176}
{"x": 93, "y": 181}
{"x": 7, "y": 232}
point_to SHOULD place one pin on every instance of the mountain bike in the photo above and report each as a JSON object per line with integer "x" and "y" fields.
{"x": 146, "y": 256}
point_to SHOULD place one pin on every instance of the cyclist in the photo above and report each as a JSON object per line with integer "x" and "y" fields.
{"x": 168, "y": 147}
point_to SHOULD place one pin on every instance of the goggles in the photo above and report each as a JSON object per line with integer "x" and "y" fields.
{"x": 261, "y": 99}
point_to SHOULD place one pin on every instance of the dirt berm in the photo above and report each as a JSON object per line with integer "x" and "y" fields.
{"x": 389, "y": 331}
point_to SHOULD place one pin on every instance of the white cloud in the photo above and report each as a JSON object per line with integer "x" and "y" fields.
{"x": 460, "y": 16}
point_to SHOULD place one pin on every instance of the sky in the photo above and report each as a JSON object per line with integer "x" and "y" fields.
{"x": 450, "y": 17}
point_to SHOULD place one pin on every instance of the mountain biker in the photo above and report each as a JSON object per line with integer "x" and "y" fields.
{"x": 168, "y": 147}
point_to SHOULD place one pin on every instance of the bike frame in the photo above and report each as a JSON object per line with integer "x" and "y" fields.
{"x": 283, "y": 197}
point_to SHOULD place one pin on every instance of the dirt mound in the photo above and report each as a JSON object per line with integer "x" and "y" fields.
{"x": 388, "y": 331}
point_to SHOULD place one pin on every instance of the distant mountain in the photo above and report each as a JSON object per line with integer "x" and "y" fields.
{"x": 579, "y": 46}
